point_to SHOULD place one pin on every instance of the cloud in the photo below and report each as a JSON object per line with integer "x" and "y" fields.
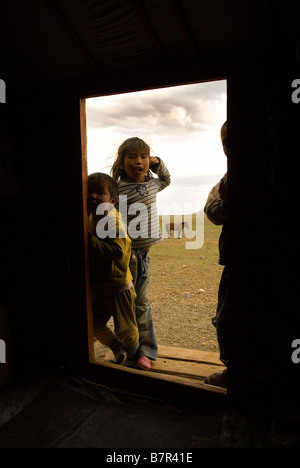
{"x": 187, "y": 109}
{"x": 195, "y": 181}
{"x": 186, "y": 194}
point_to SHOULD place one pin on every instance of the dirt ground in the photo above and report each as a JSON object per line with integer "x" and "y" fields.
{"x": 185, "y": 322}
{"x": 183, "y": 292}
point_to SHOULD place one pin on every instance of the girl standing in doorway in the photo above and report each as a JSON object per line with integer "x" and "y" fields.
{"x": 133, "y": 170}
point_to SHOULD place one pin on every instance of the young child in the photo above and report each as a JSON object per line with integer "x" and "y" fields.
{"x": 135, "y": 181}
{"x": 112, "y": 289}
{"x": 216, "y": 209}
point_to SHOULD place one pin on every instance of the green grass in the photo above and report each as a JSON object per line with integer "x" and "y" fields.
{"x": 172, "y": 256}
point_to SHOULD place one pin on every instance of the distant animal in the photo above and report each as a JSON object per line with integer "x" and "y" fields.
{"x": 176, "y": 227}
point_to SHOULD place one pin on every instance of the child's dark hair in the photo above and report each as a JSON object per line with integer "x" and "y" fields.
{"x": 99, "y": 177}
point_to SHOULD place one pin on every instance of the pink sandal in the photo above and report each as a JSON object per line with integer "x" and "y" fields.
{"x": 144, "y": 363}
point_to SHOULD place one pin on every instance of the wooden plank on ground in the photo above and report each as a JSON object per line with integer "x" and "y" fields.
{"x": 183, "y": 354}
{"x": 183, "y": 363}
{"x": 187, "y": 369}
{"x": 169, "y": 387}
{"x": 193, "y": 355}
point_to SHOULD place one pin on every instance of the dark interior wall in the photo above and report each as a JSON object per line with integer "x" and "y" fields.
{"x": 264, "y": 277}
{"x": 42, "y": 228}
{"x": 284, "y": 120}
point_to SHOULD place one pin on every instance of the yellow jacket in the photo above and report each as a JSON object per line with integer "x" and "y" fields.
{"x": 109, "y": 257}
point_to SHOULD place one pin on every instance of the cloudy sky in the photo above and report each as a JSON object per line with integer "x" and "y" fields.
{"x": 181, "y": 125}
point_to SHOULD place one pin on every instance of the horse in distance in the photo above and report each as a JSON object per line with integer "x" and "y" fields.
{"x": 176, "y": 227}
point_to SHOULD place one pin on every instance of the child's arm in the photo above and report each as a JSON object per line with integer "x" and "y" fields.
{"x": 112, "y": 247}
{"x": 216, "y": 206}
{"x": 158, "y": 167}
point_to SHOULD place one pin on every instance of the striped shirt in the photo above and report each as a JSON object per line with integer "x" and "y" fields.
{"x": 137, "y": 204}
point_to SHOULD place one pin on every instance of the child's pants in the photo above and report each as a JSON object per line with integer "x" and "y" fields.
{"x": 140, "y": 270}
{"x": 221, "y": 321}
{"x": 120, "y": 305}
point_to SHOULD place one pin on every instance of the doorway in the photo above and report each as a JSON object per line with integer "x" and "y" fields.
{"x": 182, "y": 125}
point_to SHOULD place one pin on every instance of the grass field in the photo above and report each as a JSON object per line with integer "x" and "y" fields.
{"x": 177, "y": 272}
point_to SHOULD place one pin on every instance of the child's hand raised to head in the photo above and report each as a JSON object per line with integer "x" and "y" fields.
{"x": 153, "y": 161}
